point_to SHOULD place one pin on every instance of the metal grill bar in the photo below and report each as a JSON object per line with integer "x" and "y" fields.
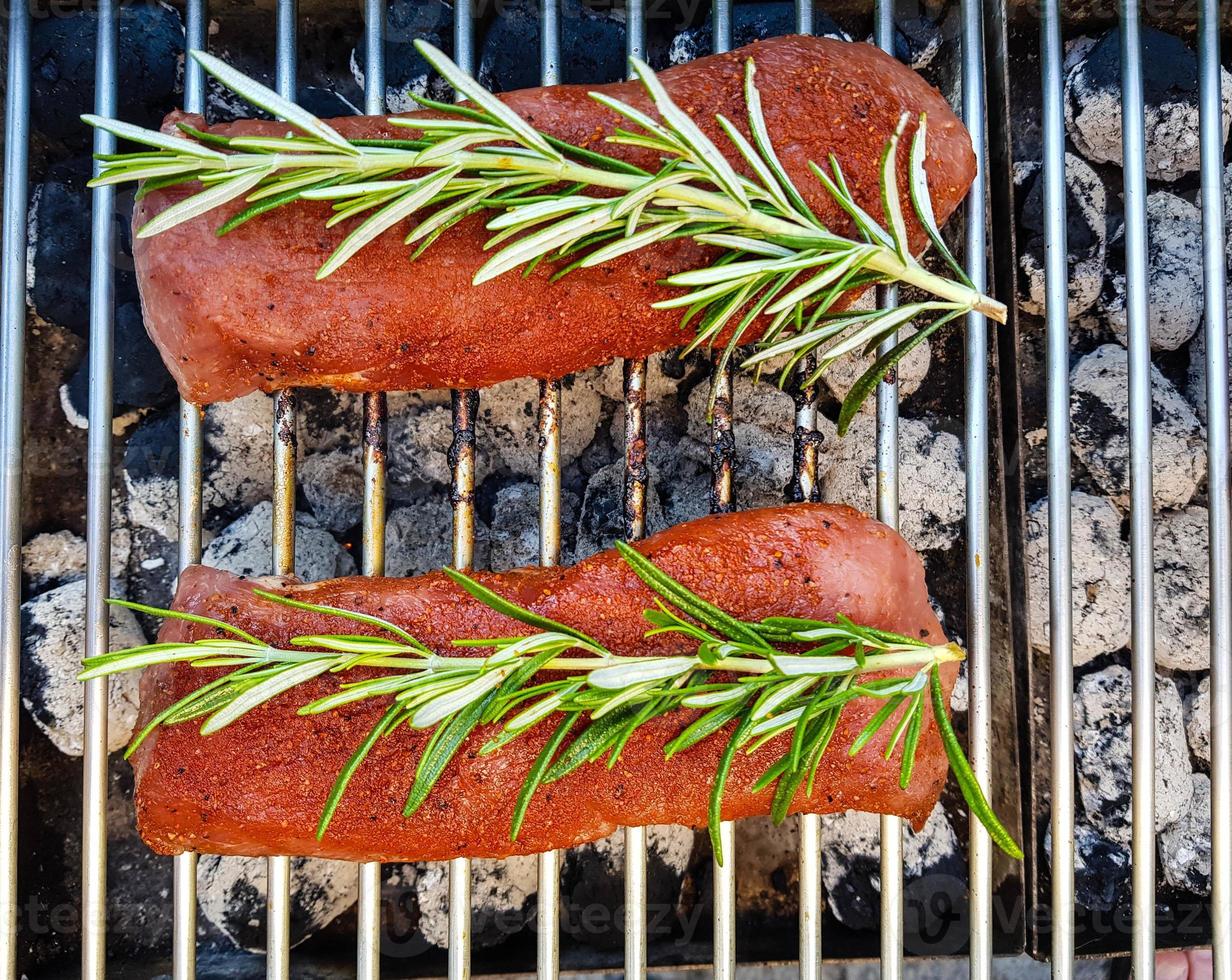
{"x": 1219, "y": 485}
{"x": 98, "y": 514}
{"x": 278, "y": 869}
{"x": 635, "y": 484}
{"x": 462, "y": 496}
{"x": 184, "y": 866}
{"x": 805, "y": 487}
{"x": 12, "y": 390}
{"x": 1141, "y": 516}
{"x": 1060, "y": 573}
{"x": 887, "y": 513}
{"x": 722, "y": 458}
{"x": 976, "y": 451}
{"x": 375, "y": 445}
{"x": 548, "y": 937}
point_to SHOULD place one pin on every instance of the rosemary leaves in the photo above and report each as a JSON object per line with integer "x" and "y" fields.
{"x": 747, "y": 683}
{"x": 780, "y": 272}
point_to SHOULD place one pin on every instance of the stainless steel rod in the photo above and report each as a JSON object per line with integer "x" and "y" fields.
{"x": 12, "y": 391}
{"x": 722, "y": 500}
{"x": 184, "y": 866}
{"x": 548, "y": 937}
{"x": 1060, "y": 569}
{"x": 635, "y": 485}
{"x": 98, "y": 515}
{"x": 1219, "y": 490}
{"x": 278, "y": 869}
{"x": 374, "y": 425}
{"x": 462, "y": 493}
{"x": 1141, "y": 517}
{"x": 887, "y": 513}
{"x": 977, "y": 451}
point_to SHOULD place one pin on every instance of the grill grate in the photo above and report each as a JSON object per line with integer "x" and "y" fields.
{"x": 462, "y": 459}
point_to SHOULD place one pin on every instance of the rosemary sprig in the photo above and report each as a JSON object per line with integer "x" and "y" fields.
{"x": 750, "y": 681}
{"x": 779, "y": 266}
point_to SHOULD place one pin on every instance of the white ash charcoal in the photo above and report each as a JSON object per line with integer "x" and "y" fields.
{"x": 931, "y": 502}
{"x": 418, "y": 538}
{"x": 1101, "y": 576}
{"x": 1182, "y": 597}
{"x": 911, "y": 370}
{"x": 239, "y": 455}
{"x": 1195, "y": 378}
{"x": 1185, "y": 847}
{"x": 53, "y": 558}
{"x": 1086, "y": 234}
{"x": 1101, "y": 867}
{"x": 593, "y": 885}
{"x": 602, "y": 519}
{"x": 333, "y": 485}
{"x": 1198, "y": 721}
{"x": 152, "y": 569}
{"x": 917, "y": 40}
{"x": 1102, "y": 721}
{"x": 1170, "y": 81}
{"x": 763, "y": 429}
{"x": 851, "y": 870}
{"x": 151, "y": 467}
{"x": 502, "y": 899}
{"x": 53, "y": 632}
{"x": 1099, "y": 407}
{"x": 406, "y": 73}
{"x": 423, "y": 434}
{"x": 750, "y": 22}
{"x": 1174, "y": 274}
{"x": 231, "y": 895}
{"x": 514, "y": 534}
{"x": 244, "y": 548}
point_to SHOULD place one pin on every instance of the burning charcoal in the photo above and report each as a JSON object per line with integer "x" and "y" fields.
{"x": 917, "y": 41}
{"x": 151, "y": 461}
{"x": 53, "y": 634}
{"x": 767, "y": 870}
{"x": 1099, "y": 401}
{"x": 244, "y": 547}
{"x": 508, "y": 415}
{"x": 333, "y": 484}
{"x": 231, "y": 893}
{"x": 139, "y": 379}
{"x": 1174, "y": 269}
{"x": 239, "y": 456}
{"x": 502, "y": 899}
{"x": 851, "y": 872}
{"x": 406, "y": 72}
{"x": 62, "y": 56}
{"x": 325, "y": 103}
{"x": 1198, "y": 721}
{"x": 932, "y": 502}
{"x": 59, "y": 234}
{"x": 593, "y": 885}
{"x": 1086, "y": 234}
{"x": 592, "y": 46}
{"x": 417, "y": 538}
{"x": 1185, "y": 847}
{"x": 602, "y": 520}
{"x": 750, "y": 22}
{"x": 53, "y": 559}
{"x": 1103, "y": 737}
{"x": 1101, "y": 577}
{"x": 1182, "y": 583}
{"x": 1101, "y": 868}
{"x": 515, "y": 525}
{"x": 1093, "y": 103}
{"x": 150, "y": 576}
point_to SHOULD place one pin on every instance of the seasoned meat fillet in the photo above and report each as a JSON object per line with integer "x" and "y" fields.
{"x": 245, "y": 311}
{"x": 259, "y": 785}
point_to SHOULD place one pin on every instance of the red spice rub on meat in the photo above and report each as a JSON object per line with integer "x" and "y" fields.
{"x": 258, "y": 786}
{"x": 242, "y": 312}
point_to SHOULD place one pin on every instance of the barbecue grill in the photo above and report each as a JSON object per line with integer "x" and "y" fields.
{"x": 992, "y": 488}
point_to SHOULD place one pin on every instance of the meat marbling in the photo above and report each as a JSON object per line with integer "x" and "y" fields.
{"x": 258, "y": 786}
{"x": 243, "y": 312}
